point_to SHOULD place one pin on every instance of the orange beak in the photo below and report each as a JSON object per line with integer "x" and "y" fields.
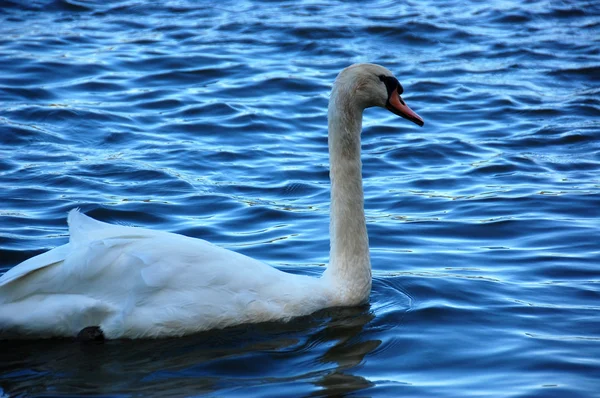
{"x": 396, "y": 104}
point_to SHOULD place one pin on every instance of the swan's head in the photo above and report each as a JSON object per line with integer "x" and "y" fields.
{"x": 373, "y": 85}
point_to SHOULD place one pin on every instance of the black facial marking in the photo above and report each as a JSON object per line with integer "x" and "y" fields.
{"x": 391, "y": 83}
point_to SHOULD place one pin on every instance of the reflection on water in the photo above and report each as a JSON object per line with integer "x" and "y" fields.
{"x": 253, "y": 356}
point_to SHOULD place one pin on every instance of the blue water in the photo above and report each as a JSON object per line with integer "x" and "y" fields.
{"x": 210, "y": 121}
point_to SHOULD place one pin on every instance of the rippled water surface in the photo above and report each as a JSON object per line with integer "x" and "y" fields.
{"x": 210, "y": 121}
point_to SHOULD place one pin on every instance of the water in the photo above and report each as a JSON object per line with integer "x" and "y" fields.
{"x": 210, "y": 121}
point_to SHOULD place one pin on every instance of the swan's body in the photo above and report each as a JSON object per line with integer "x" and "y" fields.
{"x": 135, "y": 282}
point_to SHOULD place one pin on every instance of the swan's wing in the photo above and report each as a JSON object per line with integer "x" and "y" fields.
{"x": 81, "y": 228}
{"x": 106, "y": 260}
{"x": 43, "y": 260}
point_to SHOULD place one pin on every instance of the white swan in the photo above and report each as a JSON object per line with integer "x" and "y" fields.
{"x": 128, "y": 282}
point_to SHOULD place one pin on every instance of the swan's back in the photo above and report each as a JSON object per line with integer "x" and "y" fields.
{"x": 135, "y": 282}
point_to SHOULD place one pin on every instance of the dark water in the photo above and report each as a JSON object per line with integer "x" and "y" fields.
{"x": 210, "y": 121}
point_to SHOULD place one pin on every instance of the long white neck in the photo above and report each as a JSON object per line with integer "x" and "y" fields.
{"x": 349, "y": 269}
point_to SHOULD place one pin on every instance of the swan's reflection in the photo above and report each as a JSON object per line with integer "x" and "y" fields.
{"x": 348, "y": 352}
{"x": 292, "y": 358}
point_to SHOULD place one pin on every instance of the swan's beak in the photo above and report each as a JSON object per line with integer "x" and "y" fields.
{"x": 396, "y": 104}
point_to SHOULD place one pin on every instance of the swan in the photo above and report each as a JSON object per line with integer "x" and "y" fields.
{"x": 118, "y": 281}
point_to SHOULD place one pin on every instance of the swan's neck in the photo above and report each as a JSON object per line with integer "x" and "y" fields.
{"x": 349, "y": 269}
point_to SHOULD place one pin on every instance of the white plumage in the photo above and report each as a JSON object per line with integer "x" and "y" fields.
{"x": 135, "y": 282}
